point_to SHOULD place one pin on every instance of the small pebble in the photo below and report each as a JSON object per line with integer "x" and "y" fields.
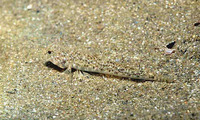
{"x": 197, "y": 23}
{"x": 29, "y": 7}
{"x": 171, "y": 45}
{"x": 169, "y": 51}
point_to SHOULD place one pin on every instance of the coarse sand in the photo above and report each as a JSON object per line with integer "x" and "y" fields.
{"x": 152, "y": 38}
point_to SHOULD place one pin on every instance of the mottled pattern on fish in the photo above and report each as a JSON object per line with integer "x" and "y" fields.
{"x": 92, "y": 63}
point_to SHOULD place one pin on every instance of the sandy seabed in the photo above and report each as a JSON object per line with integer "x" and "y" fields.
{"x": 131, "y": 34}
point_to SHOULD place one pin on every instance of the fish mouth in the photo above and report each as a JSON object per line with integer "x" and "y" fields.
{"x": 51, "y": 65}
